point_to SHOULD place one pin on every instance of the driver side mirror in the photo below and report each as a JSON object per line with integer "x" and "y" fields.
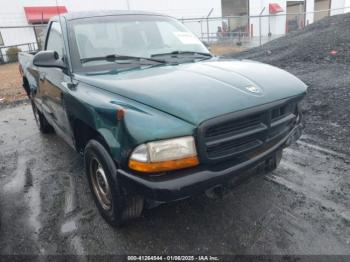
{"x": 48, "y": 59}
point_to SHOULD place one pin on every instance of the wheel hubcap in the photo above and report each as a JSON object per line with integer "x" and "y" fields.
{"x": 100, "y": 184}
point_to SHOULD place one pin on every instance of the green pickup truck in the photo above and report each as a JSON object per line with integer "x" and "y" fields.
{"x": 155, "y": 115}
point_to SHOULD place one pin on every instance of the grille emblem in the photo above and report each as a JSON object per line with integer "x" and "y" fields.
{"x": 253, "y": 89}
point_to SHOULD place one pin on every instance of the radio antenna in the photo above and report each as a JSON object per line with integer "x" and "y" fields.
{"x": 64, "y": 46}
{"x": 58, "y": 12}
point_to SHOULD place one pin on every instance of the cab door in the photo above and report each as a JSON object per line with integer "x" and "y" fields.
{"x": 53, "y": 84}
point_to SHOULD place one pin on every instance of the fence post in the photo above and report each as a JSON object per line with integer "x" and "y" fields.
{"x": 208, "y": 38}
{"x": 2, "y": 61}
{"x": 259, "y": 30}
{"x": 208, "y": 30}
{"x": 260, "y": 25}
{"x": 36, "y": 37}
{"x": 239, "y": 43}
{"x": 202, "y": 36}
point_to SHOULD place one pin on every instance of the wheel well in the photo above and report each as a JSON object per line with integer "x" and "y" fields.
{"x": 83, "y": 133}
{"x": 26, "y": 86}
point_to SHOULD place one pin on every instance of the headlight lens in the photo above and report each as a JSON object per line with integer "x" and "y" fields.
{"x": 164, "y": 155}
{"x": 140, "y": 154}
{"x": 171, "y": 149}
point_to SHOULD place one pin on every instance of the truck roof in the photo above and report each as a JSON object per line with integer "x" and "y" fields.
{"x": 86, "y": 14}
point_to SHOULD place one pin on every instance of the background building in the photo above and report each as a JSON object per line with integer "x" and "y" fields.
{"x": 294, "y": 14}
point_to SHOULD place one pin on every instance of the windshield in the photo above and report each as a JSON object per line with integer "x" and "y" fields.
{"x": 131, "y": 35}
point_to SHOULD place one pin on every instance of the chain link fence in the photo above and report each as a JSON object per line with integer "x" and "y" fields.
{"x": 236, "y": 33}
{"x": 222, "y": 34}
{"x": 21, "y": 39}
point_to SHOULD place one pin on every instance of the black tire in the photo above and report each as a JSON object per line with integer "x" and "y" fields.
{"x": 41, "y": 121}
{"x": 272, "y": 163}
{"x": 113, "y": 204}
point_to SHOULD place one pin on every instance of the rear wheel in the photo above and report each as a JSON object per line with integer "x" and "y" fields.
{"x": 41, "y": 121}
{"x": 113, "y": 204}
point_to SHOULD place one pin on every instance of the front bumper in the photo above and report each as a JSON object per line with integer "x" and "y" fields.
{"x": 184, "y": 183}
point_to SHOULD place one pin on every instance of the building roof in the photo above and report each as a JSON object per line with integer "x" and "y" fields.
{"x": 40, "y": 14}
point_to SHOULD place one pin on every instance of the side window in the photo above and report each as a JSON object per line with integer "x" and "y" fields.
{"x": 55, "y": 40}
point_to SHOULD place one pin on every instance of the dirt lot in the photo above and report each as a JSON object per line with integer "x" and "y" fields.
{"x": 220, "y": 49}
{"x": 11, "y": 84}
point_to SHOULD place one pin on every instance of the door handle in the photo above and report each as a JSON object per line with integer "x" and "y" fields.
{"x": 42, "y": 76}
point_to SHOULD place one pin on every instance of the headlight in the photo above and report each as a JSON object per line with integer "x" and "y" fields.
{"x": 164, "y": 155}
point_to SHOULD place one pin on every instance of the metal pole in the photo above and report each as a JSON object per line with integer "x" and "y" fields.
{"x": 2, "y": 60}
{"x": 202, "y": 38}
{"x": 259, "y": 30}
{"x": 208, "y": 38}
{"x": 208, "y": 30}
{"x": 260, "y": 25}
{"x": 299, "y": 18}
{"x": 239, "y": 43}
{"x": 36, "y": 37}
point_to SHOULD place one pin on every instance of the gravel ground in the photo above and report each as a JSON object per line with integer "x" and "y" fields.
{"x": 314, "y": 43}
{"x": 46, "y": 206}
{"x": 307, "y": 54}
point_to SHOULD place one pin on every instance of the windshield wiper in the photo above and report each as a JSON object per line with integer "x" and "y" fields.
{"x": 192, "y": 53}
{"x": 113, "y": 58}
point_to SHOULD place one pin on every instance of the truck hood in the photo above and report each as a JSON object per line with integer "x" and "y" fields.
{"x": 199, "y": 91}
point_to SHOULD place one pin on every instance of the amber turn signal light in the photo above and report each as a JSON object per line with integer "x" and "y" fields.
{"x": 149, "y": 167}
{"x": 120, "y": 114}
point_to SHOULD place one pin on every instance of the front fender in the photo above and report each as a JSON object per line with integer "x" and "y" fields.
{"x": 98, "y": 109}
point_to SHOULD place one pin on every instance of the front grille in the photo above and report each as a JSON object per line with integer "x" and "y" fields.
{"x": 239, "y": 135}
{"x": 232, "y": 147}
{"x": 234, "y": 126}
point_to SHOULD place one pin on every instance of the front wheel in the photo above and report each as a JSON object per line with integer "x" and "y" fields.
{"x": 113, "y": 204}
{"x": 41, "y": 121}
{"x": 272, "y": 163}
